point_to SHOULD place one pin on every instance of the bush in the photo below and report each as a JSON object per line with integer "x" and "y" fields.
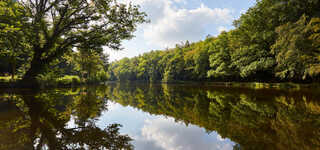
{"x": 48, "y": 79}
{"x": 51, "y": 80}
{"x": 7, "y": 79}
{"x": 68, "y": 80}
{"x": 102, "y": 76}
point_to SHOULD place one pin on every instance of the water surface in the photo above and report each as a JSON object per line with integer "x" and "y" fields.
{"x": 160, "y": 117}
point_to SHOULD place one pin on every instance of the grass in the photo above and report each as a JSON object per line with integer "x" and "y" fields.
{"x": 52, "y": 81}
{"x": 45, "y": 81}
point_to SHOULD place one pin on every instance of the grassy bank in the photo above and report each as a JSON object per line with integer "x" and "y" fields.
{"x": 251, "y": 85}
{"x": 47, "y": 82}
{"x": 257, "y": 85}
{"x": 72, "y": 81}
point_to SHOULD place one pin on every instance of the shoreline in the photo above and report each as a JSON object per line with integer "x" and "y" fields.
{"x": 254, "y": 85}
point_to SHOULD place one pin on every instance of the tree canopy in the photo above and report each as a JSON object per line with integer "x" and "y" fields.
{"x": 274, "y": 41}
{"x": 53, "y": 28}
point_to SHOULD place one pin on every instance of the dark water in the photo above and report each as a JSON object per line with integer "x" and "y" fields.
{"x": 160, "y": 117}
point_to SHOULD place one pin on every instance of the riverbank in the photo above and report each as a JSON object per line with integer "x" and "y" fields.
{"x": 74, "y": 81}
{"x": 251, "y": 85}
{"x": 61, "y": 82}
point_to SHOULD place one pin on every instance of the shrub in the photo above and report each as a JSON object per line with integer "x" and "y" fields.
{"x": 46, "y": 80}
{"x": 5, "y": 79}
{"x": 102, "y": 76}
{"x": 68, "y": 80}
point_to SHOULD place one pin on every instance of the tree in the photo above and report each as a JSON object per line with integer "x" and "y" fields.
{"x": 220, "y": 57}
{"x": 256, "y": 33}
{"x": 13, "y": 45}
{"x": 124, "y": 71}
{"x": 201, "y": 59}
{"x": 296, "y": 50}
{"x": 58, "y": 26}
{"x": 269, "y": 43}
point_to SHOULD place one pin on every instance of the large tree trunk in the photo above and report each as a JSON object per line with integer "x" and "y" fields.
{"x": 29, "y": 80}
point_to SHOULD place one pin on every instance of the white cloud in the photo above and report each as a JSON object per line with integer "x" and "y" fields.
{"x": 243, "y": 11}
{"x": 174, "y": 21}
{"x": 222, "y": 28}
{"x": 170, "y": 25}
{"x": 180, "y": 1}
{"x": 166, "y": 134}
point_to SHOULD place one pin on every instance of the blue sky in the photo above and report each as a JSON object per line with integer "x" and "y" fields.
{"x": 175, "y": 21}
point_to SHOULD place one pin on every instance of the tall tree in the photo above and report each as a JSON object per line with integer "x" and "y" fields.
{"x": 296, "y": 50}
{"x": 13, "y": 45}
{"x": 58, "y": 26}
{"x": 220, "y": 57}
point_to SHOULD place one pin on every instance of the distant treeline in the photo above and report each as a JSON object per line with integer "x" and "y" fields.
{"x": 275, "y": 40}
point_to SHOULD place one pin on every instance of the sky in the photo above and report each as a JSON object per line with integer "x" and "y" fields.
{"x": 176, "y": 21}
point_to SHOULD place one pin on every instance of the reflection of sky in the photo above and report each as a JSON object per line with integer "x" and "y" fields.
{"x": 152, "y": 132}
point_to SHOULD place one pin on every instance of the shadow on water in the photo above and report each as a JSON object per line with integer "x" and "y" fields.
{"x": 57, "y": 119}
{"x": 253, "y": 119}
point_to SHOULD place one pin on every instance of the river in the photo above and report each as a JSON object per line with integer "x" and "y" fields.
{"x": 160, "y": 117}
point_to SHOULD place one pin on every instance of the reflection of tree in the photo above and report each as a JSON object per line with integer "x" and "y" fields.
{"x": 256, "y": 119}
{"x": 40, "y": 121}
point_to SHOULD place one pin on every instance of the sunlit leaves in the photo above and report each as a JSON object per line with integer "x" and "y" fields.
{"x": 296, "y": 51}
{"x": 220, "y": 57}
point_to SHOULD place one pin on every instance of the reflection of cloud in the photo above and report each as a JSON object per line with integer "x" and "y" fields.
{"x": 220, "y": 138}
{"x": 167, "y": 135}
{"x": 112, "y": 106}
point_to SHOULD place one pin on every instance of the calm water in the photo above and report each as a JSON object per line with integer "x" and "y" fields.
{"x": 160, "y": 117}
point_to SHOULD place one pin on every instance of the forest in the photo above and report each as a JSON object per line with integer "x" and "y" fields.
{"x": 274, "y": 41}
{"x": 61, "y": 43}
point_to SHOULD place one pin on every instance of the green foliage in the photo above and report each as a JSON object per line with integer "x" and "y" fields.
{"x": 49, "y": 29}
{"x": 47, "y": 80}
{"x": 90, "y": 65}
{"x": 74, "y": 69}
{"x": 51, "y": 80}
{"x": 185, "y": 62}
{"x": 13, "y": 44}
{"x": 68, "y": 80}
{"x": 296, "y": 54}
{"x": 7, "y": 79}
{"x": 275, "y": 40}
{"x": 220, "y": 57}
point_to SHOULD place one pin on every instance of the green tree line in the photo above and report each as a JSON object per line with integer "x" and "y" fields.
{"x": 275, "y": 40}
